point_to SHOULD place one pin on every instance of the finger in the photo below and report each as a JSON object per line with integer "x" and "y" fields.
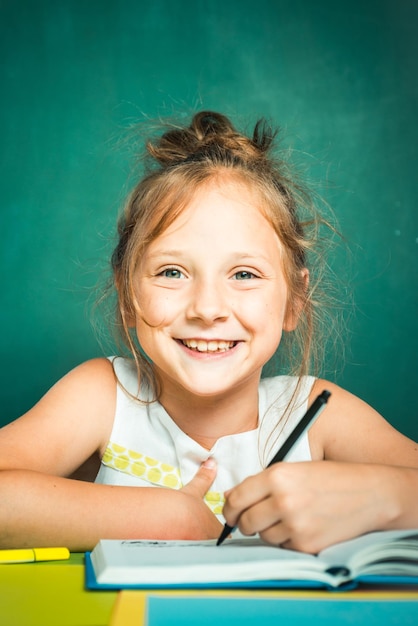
{"x": 246, "y": 495}
{"x": 277, "y": 535}
{"x": 280, "y": 535}
{"x": 264, "y": 518}
{"x": 260, "y": 517}
{"x": 203, "y": 479}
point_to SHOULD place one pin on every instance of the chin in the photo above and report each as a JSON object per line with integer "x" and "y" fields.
{"x": 216, "y": 389}
{"x": 208, "y": 391}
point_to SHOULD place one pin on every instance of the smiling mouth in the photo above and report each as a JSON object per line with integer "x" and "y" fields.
{"x": 200, "y": 345}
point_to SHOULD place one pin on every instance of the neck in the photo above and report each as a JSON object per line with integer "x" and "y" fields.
{"x": 206, "y": 419}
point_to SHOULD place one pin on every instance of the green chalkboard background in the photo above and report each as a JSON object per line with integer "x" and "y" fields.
{"x": 340, "y": 77}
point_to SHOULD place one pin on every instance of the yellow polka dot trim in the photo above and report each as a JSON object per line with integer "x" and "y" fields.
{"x": 215, "y": 501}
{"x": 153, "y": 471}
{"x": 142, "y": 466}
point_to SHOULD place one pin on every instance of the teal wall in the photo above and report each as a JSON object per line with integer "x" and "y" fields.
{"x": 340, "y": 77}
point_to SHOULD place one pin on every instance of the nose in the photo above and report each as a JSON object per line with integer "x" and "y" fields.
{"x": 208, "y": 301}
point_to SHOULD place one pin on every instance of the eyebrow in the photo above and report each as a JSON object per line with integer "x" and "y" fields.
{"x": 162, "y": 253}
{"x": 238, "y": 256}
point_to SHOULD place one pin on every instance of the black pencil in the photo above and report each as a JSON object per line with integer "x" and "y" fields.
{"x": 307, "y": 420}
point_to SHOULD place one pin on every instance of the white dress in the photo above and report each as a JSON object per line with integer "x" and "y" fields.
{"x": 147, "y": 448}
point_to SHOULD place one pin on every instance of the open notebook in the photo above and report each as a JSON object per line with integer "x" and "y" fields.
{"x": 384, "y": 557}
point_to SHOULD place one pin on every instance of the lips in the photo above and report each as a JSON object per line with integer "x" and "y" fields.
{"x": 214, "y": 345}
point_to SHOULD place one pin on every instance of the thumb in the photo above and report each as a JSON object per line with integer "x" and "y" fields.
{"x": 202, "y": 480}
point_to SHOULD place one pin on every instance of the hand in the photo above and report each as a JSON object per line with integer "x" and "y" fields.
{"x": 203, "y": 524}
{"x": 308, "y": 506}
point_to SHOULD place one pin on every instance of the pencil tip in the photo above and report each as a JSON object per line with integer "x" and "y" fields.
{"x": 225, "y": 532}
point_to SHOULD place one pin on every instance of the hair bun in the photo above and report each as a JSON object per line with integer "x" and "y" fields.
{"x": 208, "y": 125}
{"x": 210, "y": 133}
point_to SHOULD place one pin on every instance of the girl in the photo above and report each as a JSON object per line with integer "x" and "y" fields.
{"x": 212, "y": 275}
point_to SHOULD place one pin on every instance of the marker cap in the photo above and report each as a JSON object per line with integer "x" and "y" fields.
{"x": 51, "y": 554}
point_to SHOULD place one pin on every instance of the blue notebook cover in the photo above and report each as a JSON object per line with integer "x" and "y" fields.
{"x": 93, "y": 584}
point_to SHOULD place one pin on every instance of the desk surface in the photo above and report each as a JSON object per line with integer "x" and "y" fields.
{"x": 53, "y": 594}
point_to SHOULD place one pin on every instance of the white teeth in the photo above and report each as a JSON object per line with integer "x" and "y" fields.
{"x": 208, "y": 346}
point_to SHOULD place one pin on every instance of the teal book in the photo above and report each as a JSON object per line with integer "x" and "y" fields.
{"x": 381, "y": 557}
{"x": 189, "y": 611}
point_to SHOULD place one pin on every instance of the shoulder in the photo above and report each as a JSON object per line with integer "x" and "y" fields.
{"x": 87, "y": 390}
{"x": 69, "y": 423}
{"x": 88, "y": 377}
{"x": 332, "y": 432}
{"x": 342, "y": 405}
{"x": 102, "y": 375}
{"x": 351, "y": 430}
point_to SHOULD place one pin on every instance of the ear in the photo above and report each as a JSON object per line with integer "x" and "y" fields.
{"x": 295, "y": 308}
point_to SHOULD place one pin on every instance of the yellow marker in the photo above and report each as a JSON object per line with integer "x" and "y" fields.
{"x": 30, "y": 555}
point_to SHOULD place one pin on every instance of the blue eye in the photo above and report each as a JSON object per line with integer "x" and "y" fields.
{"x": 171, "y": 272}
{"x": 244, "y": 275}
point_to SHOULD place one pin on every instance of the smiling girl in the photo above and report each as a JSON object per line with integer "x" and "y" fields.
{"x": 212, "y": 273}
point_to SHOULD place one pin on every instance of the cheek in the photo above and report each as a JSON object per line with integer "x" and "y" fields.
{"x": 271, "y": 310}
{"x": 273, "y": 317}
{"x": 264, "y": 318}
{"x": 274, "y": 323}
{"x": 153, "y": 311}
{"x": 157, "y": 307}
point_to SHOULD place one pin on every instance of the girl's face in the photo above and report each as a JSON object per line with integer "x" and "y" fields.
{"x": 211, "y": 295}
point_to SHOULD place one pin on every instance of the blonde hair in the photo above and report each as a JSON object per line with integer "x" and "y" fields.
{"x": 182, "y": 160}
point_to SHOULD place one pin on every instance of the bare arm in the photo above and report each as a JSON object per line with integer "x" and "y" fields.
{"x": 40, "y": 506}
{"x": 42, "y": 510}
{"x": 364, "y": 477}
